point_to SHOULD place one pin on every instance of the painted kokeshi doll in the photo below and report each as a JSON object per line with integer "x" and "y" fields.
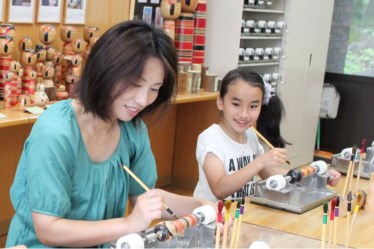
{"x": 40, "y": 97}
{"x": 71, "y": 80}
{"x": 50, "y": 52}
{"x": 47, "y": 34}
{"x": 90, "y": 35}
{"x": 41, "y": 56}
{"x": 184, "y": 36}
{"x": 57, "y": 60}
{"x": 6, "y": 49}
{"x": 89, "y": 47}
{"x": 24, "y": 43}
{"x": 74, "y": 65}
{"x": 89, "y": 32}
{"x": 67, "y": 33}
{"x": 50, "y": 89}
{"x": 7, "y": 29}
{"x": 199, "y": 34}
{"x": 7, "y": 78}
{"x": 61, "y": 94}
{"x": 28, "y": 62}
{"x": 16, "y": 84}
{"x": 170, "y": 10}
{"x": 189, "y": 5}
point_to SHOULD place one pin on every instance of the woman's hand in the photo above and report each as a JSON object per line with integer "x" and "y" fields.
{"x": 148, "y": 207}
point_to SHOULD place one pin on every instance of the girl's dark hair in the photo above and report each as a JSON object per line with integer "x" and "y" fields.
{"x": 268, "y": 122}
{"x": 117, "y": 59}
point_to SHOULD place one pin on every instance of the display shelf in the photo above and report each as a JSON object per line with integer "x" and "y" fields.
{"x": 259, "y": 37}
{"x": 257, "y": 64}
{"x": 247, "y": 9}
{"x": 18, "y": 117}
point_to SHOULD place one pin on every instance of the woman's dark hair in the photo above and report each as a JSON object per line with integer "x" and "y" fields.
{"x": 118, "y": 58}
{"x": 268, "y": 122}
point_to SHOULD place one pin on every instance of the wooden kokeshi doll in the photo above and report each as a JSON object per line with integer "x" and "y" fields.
{"x": 50, "y": 89}
{"x": 50, "y": 53}
{"x": 61, "y": 94}
{"x": 40, "y": 97}
{"x": 6, "y": 49}
{"x": 24, "y": 43}
{"x": 170, "y": 10}
{"x": 70, "y": 82}
{"x": 74, "y": 64}
{"x": 89, "y": 47}
{"x": 41, "y": 56}
{"x": 28, "y": 62}
{"x": 7, "y": 79}
{"x": 57, "y": 60}
{"x": 199, "y": 34}
{"x": 189, "y": 5}
{"x": 7, "y": 29}
{"x": 90, "y": 35}
{"x": 184, "y": 36}
{"x": 15, "y": 68}
{"x": 67, "y": 34}
{"x": 47, "y": 34}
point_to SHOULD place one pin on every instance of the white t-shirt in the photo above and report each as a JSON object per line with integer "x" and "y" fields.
{"x": 233, "y": 155}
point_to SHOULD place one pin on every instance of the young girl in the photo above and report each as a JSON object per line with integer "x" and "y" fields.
{"x": 229, "y": 154}
{"x": 70, "y": 189}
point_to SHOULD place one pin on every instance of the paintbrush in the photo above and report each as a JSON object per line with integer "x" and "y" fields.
{"x": 362, "y": 157}
{"x": 219, "y": 220}
{"x": 237, "y": 239}
{"x": 226, "y": 226}
{"x": 147, "y": 189}
{"x": 360, "y": 195}
{"x": 349, "y": 210}
{"x": 336, "y": 219}
{"x": 350, "y": 170}
{"x": 266, "y": 141}
{"x": 235, "y": 226}
{"x": 332, "y": 217}
{"x": 324, "y": 222}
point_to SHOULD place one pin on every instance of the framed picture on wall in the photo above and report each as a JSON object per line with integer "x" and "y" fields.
{"x": 75, "y": 11}
{"x": 146, "y": 10}
{"x": 2, "y": 8}
{"x": 21, "y": 11}
{"x": 49, "y": 11}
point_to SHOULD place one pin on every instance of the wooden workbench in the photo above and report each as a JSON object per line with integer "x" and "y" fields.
{"x": 309, "y": 224}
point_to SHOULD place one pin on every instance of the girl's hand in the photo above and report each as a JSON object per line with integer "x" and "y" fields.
{"x": 274, "y": 157}
{"x": 148, "y": 207}
{"x": 334, "y": 177}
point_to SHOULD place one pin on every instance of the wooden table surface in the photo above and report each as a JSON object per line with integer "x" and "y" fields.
{"x": 309, "y": 224}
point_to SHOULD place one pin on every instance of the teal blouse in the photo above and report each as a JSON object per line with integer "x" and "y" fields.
{"x": 55, "y": 175}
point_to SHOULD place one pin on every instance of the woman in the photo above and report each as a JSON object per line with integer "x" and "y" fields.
{"x": 70, "y": 188}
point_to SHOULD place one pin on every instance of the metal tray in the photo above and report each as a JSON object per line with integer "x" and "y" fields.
{"x": 341, "y": 165}
{"x": 300, "y": 197}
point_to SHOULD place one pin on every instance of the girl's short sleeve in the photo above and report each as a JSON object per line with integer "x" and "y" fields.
{"x": 49, "y": 173}
{"x": 206, "y": 143}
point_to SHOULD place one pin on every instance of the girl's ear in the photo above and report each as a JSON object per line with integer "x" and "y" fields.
{"x": 220, "y": 103}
